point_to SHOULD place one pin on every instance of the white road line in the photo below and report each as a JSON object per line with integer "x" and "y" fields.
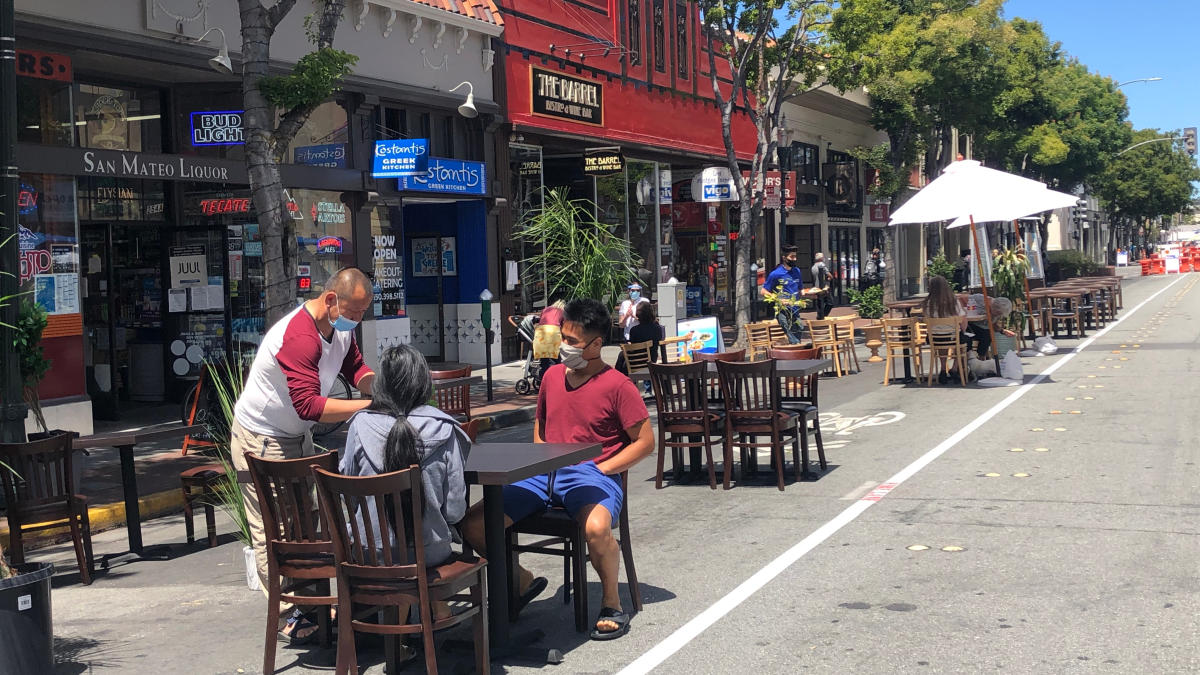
{"x": 859, "y": 491}
{"x": 690, "y": 630}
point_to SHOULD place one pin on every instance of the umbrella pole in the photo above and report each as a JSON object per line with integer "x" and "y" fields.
{"x": 1028, "y": 299}
{"x": 987, "y": 301}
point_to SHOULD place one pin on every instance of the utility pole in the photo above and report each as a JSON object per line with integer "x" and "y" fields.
{"x": 12, "y": 404}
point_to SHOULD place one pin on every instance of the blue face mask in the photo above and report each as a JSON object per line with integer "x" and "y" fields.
{"x": 342, "y": 323}
{"x": 634, "y": 295}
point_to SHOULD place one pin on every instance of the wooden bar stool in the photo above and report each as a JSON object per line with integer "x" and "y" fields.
{"x": 199, "y": 485}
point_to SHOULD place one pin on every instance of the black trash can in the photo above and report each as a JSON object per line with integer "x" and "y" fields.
{"x": 26, "y": 626}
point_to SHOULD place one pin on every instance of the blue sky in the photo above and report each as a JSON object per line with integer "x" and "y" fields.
{"x": 1129, "y": 40}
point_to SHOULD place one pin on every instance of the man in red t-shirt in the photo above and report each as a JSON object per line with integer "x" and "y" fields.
{"x": 582, "y": 400}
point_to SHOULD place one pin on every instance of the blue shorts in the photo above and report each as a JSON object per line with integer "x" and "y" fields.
{"x": 574, "y": 488}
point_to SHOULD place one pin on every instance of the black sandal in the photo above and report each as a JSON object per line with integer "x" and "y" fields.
{"x": 616, "y": 616}
{"x": 535, "y": 589}
{"x": 298, "y": 623}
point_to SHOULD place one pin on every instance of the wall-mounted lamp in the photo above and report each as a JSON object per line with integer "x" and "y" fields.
{"x": 467, "y": 109}
{"x": 220, "y": 62}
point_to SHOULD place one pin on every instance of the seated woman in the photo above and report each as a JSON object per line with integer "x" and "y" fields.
{"x": 941, "y": 303}
{"x": 400, "y": 429}
{"x": 648, "y": 329}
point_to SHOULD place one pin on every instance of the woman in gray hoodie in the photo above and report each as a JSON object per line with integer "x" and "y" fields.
{"x": 400, "y": 429}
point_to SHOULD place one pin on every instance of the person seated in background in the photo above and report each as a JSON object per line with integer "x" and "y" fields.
{"x": 979, "y": 337}
{"x": 399, "y": 429}
{"x": 648, "y": 329}
{"x": 941, "y": 303}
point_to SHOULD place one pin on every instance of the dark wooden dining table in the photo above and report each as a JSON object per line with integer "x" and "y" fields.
{"x": 124, "y": 442}
{"x": 494, "y": 465}
{"x": 784, "y": 368}
{"x": 439, "y": 385}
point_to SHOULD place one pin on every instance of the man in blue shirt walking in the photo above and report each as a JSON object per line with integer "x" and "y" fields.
{"x": 786, "y": 283}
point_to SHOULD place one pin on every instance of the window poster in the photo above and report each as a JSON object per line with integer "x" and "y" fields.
{"x": 425, "y": 257}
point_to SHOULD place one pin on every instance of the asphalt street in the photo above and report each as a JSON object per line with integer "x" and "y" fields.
{"x": 1041, "y": 528}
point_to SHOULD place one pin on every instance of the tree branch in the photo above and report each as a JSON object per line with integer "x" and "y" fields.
{"x": 277, "y": 13}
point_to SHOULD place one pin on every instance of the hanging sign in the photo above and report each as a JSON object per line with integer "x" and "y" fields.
{"x": 400, "y": 158}
{"x": 714, "y": 184}
{"x": 217, "y": 127}
{"x": 44, "y": 65}
{"x": 564, "y": 97}
{"x": 449, "y": 175}
{"x": 189, "y": 266}
{"x": 603, "y": 162}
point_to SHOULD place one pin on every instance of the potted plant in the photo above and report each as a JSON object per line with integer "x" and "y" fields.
{"x": 577, "y": 255}
{"x": 939, "y": 266}
{"x": 1009, "y": 267}
{"x": 870, "y": 306}
{"x": 227, "y": 381}
{"x": 26, "y": 621}
{"x": 31, "y": 321}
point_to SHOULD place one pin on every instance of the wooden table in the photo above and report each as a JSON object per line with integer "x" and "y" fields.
{"x": 784, "y": 367}
{"x": 905, "y": 306}
{"x": 124, "y": 441}
{"x": 439, "y": 385}
{"x": 494, "y": 465}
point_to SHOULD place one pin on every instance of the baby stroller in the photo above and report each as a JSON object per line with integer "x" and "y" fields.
{"x": 542, "y": 352}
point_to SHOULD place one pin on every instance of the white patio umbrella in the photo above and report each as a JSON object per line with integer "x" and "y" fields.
{"x": 967, "y": 193}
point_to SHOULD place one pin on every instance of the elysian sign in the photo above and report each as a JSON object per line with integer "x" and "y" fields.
{"x": 564, "y": 97}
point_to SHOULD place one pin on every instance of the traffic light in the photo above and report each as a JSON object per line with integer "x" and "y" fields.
{"x": 1081, "y": 213}
{"x": 1189, "y": 140}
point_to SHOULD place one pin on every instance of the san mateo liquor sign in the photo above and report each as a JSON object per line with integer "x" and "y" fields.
{"x": 567, "y": 98}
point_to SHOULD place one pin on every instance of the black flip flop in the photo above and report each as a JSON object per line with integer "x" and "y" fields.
{"x": 616, "y": 616}
{"x": 535, "y": 589}
{"x": 299, "y": 622}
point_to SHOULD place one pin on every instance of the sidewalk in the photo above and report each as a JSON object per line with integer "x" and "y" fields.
{"x": 159, "y": 464}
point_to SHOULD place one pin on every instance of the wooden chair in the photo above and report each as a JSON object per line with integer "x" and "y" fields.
{"x": 674, "y": 349}
{"x": 638, "y": 355}
{"x": 752, "y": 409}
{"x": 455, "y": 400}
{"x": 799, "y": 394}
{"x": 945, "y": 341}
{"x": 567, "y": 540}
{"x": 40, "y": 493}
{"x": 758, "y": 338}
{"x": 844, "y": 328}
{"x": 199, "y": 487}
{"x": 681, "y": 398}
{"x": 472, "y": 428}
{"x": 899, "y": 337}
{"x": 714, "y": 384}
{"x": 779, "y": 337}
{"x": 381, "y": 566}
{"x": 298, "y": 547}
{"x": 825, "y": 337}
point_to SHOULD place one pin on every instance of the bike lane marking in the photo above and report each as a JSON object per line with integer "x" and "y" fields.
{"x": 704, "y": 620}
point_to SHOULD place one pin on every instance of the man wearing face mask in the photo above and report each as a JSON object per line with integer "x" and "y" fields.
{"x": 628, "y": 310}
{"x": 582, "y": 400}
{"x": 787, "y": 283}
{"x": 294, "y": 370}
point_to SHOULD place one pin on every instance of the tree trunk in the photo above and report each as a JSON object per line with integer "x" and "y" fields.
{"x": 266, "y": 187}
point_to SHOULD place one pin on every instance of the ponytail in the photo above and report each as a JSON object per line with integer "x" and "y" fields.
{"x": 402, "y": 384}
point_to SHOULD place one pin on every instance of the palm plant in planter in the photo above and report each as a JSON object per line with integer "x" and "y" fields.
{"x": 31, "y": 321}
{"x": 1009, "y": 267}
{"x": 870, "y": 306}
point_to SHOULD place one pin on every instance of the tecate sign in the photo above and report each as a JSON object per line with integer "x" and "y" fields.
{"x": 400, "y": 158}
{"x": 449, "y": 175}
{"x": 222, "y": 127}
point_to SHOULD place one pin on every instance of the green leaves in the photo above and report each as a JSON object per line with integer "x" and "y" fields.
{"x": 579, "y": 257}
{"x": 1148, "y": 181}
{"x": 31, "y": 321}
{"x": 315, "y": 78}
{"x": 870, "y": 301}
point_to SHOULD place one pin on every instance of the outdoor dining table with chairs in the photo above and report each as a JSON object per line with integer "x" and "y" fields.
{"x": 774, "y": 398}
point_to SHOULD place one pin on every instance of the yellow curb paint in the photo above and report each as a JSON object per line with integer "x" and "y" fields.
{"x": 1055, "y": 412}
{"x": 953, "y": 549}
{"x": 1122, "y": 346}
{"x": 108, "y": 516}
{"x": 1099, "y": 386}
{"x": 1091, "y": 377}
{"x": 1069, "y": 398}
{"x": 1089, "y": 398}
{"x": 918, "y": 547}
{"x": 1020, "y": 475}
{"x": 1060, "y": 428}
{"x": 991, "y": 475}
{"x": 1037, "y": 429}
{"x": 1124, "y": 358}
{"x": 1041, "y": 449}
{"x": 1116, "y": 366}
{"x": 1076, "y": 412}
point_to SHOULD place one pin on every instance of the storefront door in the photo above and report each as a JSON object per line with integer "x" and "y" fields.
{"x": 196, "y": 303}
{"x": 843, "y": 261}
{"x": 122, "y": 315}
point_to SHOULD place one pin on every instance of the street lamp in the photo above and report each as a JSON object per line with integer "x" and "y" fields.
{"x": 485, "y": 315}
{"x": 1140, "y": 79}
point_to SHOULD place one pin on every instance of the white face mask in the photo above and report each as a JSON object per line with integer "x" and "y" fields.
{"x": 572, "y": 357}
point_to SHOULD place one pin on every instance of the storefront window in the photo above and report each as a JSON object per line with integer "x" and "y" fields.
{"x": 387, "y": 261}
{"x": 118, "y": 119}
{"x": 44, "y": 112}
{"x": 323, "y": 237}
{"x": 121, "y": 199}
{"x": 322, "y": 141}
{"x": 49, "y": 242}
{"x": 843, "y": 262}
{"x": 525, "y": 167}
{"x": 641, "y": 181}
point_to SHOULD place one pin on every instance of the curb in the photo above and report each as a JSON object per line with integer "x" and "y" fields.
{"x": 106, "y": 517}
{"x": 507, "y": 418}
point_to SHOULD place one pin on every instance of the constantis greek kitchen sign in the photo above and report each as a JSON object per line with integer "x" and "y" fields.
{"x": 449, "y": 176}
{"x": 222, "y": 127}
{"x": 400, "y": 158}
